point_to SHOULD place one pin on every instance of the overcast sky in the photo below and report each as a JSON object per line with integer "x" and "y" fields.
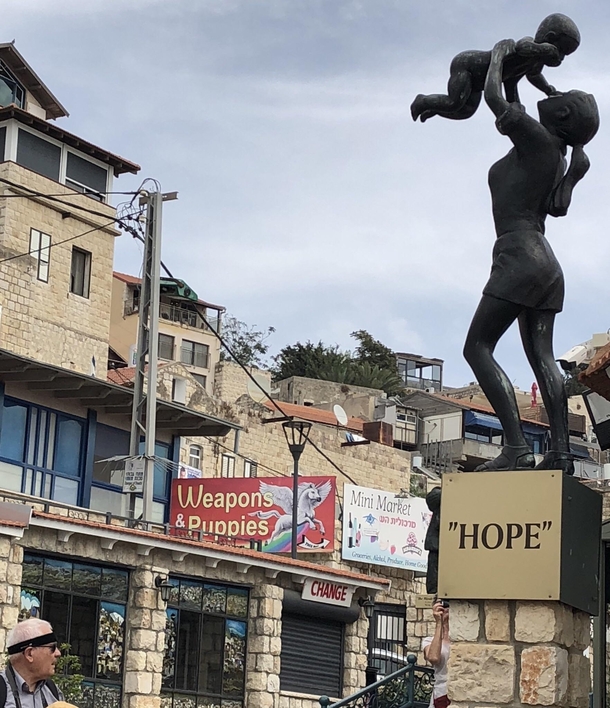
{"x": 309, "y": 200}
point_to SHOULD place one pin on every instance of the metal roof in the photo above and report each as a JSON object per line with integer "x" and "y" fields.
{"x": 104, "y": 397}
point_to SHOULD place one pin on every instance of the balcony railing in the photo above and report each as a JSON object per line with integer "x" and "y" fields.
{"x": 184, "y": 316}
{"x": 194, "y": 358}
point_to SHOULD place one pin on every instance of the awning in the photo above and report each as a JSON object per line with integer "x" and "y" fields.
{"x": 104, "y": 397}
{"x": 486, "y": 420}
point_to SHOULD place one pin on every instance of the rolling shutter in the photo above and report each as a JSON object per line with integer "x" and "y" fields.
{"x": 312, "y": 656}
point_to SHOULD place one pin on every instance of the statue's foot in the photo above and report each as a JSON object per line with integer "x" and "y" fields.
{"x": 512, "y": 457}
{"x": 418, "y": 106}
{"x": 424, "y": 115}
{"x": 555, "y": 460}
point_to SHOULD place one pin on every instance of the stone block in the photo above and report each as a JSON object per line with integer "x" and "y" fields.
{"x": 582, "y": 630}
{"x": 464, "y": 623}
{"x": 481, "y": 673}
{"x": 146, "y": 598}
{"x": 135, "y": 661}
{"x": 264, "y": 662}
{"x": 579, "y": 681}
{"x": 154, "y": 662}
{"x": 144, "y": 639}
{"x": 10, "y": 615}
{"x": 535, "y": 622}
{"x": 256, "y": 681}
{"x": 144, "y": 701}
{"x": 497, "y": 621}
{"x": 138, "y": 682}
{"x": 273, "y": 683}
{"x": 544, "y": 675}
{"x": 259, "y": 699}
{"x": 158, "y": 620}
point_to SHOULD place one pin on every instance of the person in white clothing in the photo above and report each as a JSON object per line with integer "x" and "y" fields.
{"x": 436, "y": 652}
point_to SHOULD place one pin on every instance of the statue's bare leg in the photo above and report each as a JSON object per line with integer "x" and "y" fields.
{"x": 536, "y": 328}
{"x": 491, "y": 320}
{"x": 459, "y": 91}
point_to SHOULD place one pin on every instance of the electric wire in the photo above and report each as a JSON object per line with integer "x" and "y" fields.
{"x": 42, "y": 195}
{"x": 59, "y": 243}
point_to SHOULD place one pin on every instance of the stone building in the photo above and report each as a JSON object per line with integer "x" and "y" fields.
{"x": 56, "y": 299}
{"x": 184, "y": 335}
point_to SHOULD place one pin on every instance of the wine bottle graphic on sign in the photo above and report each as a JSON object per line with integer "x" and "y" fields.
{"x": 350, "y": 535}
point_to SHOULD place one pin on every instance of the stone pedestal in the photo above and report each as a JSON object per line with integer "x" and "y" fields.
{"x": 511, "y": 653}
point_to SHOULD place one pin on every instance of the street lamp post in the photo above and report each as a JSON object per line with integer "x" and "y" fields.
{"x": 368, "y": 605}
{"x": 296, "y": 432}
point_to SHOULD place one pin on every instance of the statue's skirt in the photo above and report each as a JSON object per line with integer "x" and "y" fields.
{"x": 525, "y": 271}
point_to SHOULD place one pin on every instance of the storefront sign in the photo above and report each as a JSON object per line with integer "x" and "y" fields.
{"x": 256, "y": 510}
{"x": 383, "y": 529}
{"x": 133, "y": 480}
{"x": 329, "y": 593}
{"x": 525, "y": 535}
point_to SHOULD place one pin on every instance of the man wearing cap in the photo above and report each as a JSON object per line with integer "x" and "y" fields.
{"x": 32, "y": 654}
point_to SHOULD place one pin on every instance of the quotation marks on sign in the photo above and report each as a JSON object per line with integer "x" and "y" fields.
{"x": 493, "y": 536}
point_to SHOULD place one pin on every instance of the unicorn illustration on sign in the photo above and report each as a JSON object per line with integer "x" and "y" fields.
{"x": 310, "y": 497}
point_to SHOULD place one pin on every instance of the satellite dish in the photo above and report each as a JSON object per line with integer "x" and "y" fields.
{"x": 340, "y": 415}
{"x": 255, "y": 392}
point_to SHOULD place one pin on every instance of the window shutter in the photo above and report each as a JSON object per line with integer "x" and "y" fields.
{"x": 312, "y": 656}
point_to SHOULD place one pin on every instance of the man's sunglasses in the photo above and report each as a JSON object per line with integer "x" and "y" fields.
{"x": 52, "y": 647}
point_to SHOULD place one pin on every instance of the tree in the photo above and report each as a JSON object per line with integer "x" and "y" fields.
{"x": 373, "y": 351}
{"x": 373, "y": 365}
{"x": 68, "y": 675}
{"x": 247, "y": 343}
{"x": 315, "y": 361}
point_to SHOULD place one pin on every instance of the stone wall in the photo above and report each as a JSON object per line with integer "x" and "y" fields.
{"x": 44, "y": 320}
{"x": 515, "y": 653}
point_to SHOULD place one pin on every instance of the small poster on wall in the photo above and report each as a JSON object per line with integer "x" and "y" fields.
{"x": 381, "y": 528}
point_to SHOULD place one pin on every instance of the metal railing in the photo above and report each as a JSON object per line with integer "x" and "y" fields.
{"x": 409, "y": 687}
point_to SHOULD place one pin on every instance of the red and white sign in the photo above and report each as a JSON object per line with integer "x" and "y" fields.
{"x": 241, "y": 510}
{"x": 328, "y": 592}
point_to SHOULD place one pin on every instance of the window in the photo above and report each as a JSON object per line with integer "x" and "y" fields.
{"x": 80, "y": 272}
{"x": 106, "y": 491}
{"x": 11, "y": 91}
{"x": 2, "y": 143}
{"x": 179, "y": 390}
{"x": 41, "y": 452}
{"x": 85, "y": 603}
{"x": 194, "y": 353}
{"x": 200, "y": 379}
{"x": 205, "y": 645}
{"x": 40, "y": 248}
{"x": 228, "y": 466}
{"x": 166, "y": 347}
{"x": 250, "y": 468}
{"x": 321, "y": 642}
{"x": 38, "y": 155}
{"x": 389, "y": 638}
{"x": 195, "y": 456}
{"x": 86, "y": 177}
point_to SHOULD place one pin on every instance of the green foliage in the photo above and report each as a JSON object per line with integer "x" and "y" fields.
{"x": 417, "y": 485}
{"x": 247, "y": 342}
{"x": 373, "y": 351}
{"x": 372, "y": 365}
{"x": 571, "y": 383}
{"x": 67, "y": 675}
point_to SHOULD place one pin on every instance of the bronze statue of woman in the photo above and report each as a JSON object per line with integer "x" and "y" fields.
{"x": 526, "y": 281}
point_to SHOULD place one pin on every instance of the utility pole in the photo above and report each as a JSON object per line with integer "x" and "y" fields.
{"x": 144, "y": 412}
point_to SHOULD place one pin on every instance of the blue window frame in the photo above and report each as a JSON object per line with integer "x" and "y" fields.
{"x": 41, "y": 451}
{"x": 106, "y": 489}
